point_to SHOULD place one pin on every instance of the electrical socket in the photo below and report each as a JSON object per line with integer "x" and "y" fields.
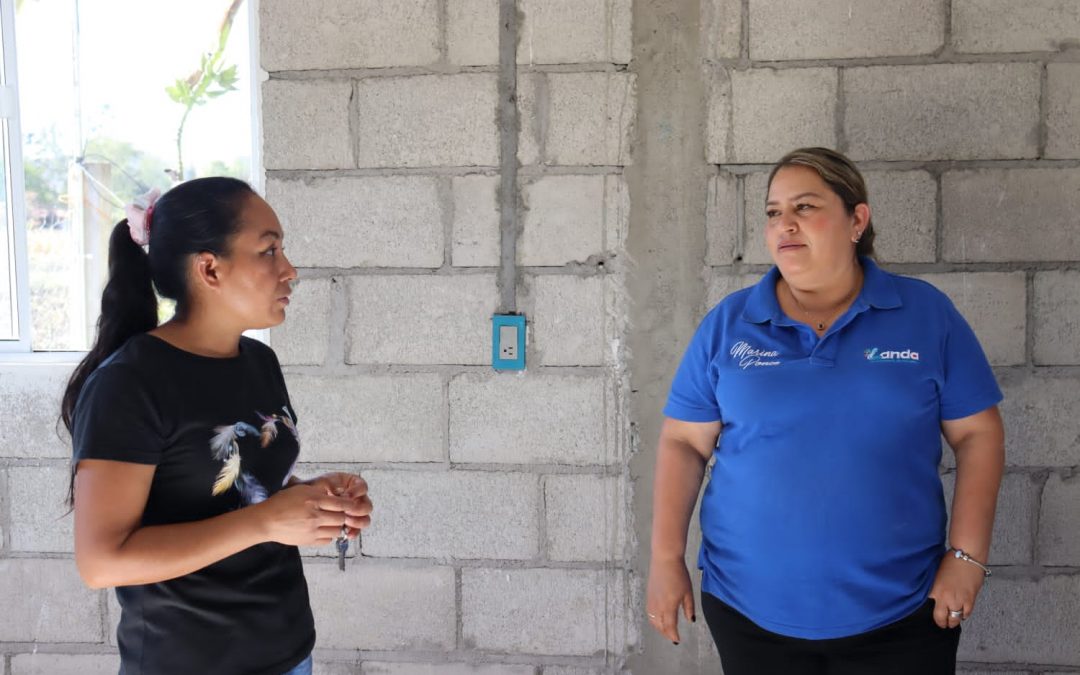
{"x": 508, "y": 342}
{"x": 508, "y": 339}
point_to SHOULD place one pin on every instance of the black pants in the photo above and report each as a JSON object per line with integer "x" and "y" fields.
{"x": 913, "y": 645}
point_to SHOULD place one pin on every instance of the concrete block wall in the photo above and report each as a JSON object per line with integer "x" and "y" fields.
{"x": 962, "y": 113}
{"x": 501, "y": 542}
{"x": 624, "y": 179}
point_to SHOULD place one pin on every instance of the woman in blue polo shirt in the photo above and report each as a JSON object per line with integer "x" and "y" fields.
{"x": 829, "y": 385}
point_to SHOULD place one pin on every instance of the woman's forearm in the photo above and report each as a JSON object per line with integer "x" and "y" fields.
{"x": 980, "y": 461}
{"x": 679, "y": 470}
{"x": 161, "y": 552}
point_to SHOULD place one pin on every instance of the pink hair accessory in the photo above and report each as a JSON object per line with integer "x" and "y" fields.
{"x": 139, "y": 215}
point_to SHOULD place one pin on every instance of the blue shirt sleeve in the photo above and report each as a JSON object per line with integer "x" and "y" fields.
{"x": 693, "y": 391}
{"x": 968, "y": 386}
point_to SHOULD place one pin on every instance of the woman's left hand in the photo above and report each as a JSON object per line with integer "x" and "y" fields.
{"x": 348, "y": 485}
{"x": 955, "y": 588}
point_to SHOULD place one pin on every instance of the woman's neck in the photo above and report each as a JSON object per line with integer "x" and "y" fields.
{"x": 819, "y": 307}
{"x": 834, "y": 294}
{"x": 199, "y": 335}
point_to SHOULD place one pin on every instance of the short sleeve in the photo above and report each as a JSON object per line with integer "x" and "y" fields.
{"x": 693, "y": 390}
{"x": 968, "y": 382}
{"x": 115, "y": 418}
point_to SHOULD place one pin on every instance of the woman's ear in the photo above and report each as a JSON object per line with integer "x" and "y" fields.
{"x": 206, "y": 271}
{"x": 860, "y": 220}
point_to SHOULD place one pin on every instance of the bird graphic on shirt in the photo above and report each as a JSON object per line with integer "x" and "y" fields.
{"x": 225, "y": 448}
{"x": 268, "y": 432}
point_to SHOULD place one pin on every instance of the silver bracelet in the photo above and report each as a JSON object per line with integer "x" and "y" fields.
{"x": 959, "y": 553}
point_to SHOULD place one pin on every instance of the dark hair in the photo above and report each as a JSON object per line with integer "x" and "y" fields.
{"x": 842, "y": 177}
{"x": 198, "y": 216}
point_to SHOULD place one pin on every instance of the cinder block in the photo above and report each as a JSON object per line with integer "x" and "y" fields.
{"x": 1041, "y": 424}
{"x": 320, "y": 667}
{"x": 719, "y": 285}
{"x": 719, "y": 122}
{"x": 500, "y": 610}
{"x": 454, "y": 514}
{"x": 573, "y": 31}
{"x": 590, "y": 118}
{"x": 45, "y": 601}
{"x": 1058, "y": 541}
{"x": 978, "y": 229}
{"x": 421, "y": 319}
{"x": 1057, "y": 318}
{"x": 616, "y": 213}
{"x": 903, "y": 207}
{"x": 722, "y": 220}
{"x": 767, "y": 125}
{"x": 40, "y": 521}
{"x": 586, "y": 517}
{"x": 414, "y": 606}
{"x": 995, "y": 305}
{"x": 476, "y": 221}
{"x": 944, "y": 111}
{"x": 427, "y": 120}
{"x": 400, "y": 668}
{"x": 721, "y": 29}
{"x": 375, "y": 221}
{"x": 472, "y": 32}
{"x": 569, "y": 320}
{"x": 37, "y": 663}
{"x": 1062, "y": 102}
{"x": 543, "y": 419}
{"x": 755, "y": 192}
{"x": 780, "y": 30}
{"x": 1038, "y": 616}
{"x": 112, "y": 615}
{"x": 533, "y": 102}
{"x": 304, "y": 337}
{"x": 306, "y": 124}
{"x": 1014, "y": 520}
{"x": 1006, "y": 26}
{"x": 31, "y": 394}
{"x": 361, "y": 418}
{"x": 563, "y": 220}
{"x": 328, "y": 34}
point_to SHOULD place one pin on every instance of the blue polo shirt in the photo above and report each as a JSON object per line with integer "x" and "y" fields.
{"x": 824, "y": 515}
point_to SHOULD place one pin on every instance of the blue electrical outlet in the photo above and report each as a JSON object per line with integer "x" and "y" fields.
{"x": 508, "y": 342}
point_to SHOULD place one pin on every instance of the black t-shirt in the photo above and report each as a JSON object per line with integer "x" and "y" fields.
{"x": 221, "y": 434}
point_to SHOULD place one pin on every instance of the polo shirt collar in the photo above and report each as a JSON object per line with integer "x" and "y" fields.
{"x": 878, "y": 291}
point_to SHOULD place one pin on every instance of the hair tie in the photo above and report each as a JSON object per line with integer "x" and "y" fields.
{"x": 139, "y": 214}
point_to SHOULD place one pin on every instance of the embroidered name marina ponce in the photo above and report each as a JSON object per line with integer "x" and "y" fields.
{"x": 747, "y": 356}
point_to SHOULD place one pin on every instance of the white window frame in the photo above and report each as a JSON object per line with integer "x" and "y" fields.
{"x": 16, "y": 191}
{"x": 20, "y": 350}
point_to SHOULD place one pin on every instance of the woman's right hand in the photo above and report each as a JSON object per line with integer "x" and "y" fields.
{"x": 305, "y": 515}
{"x": 669, "y": 589}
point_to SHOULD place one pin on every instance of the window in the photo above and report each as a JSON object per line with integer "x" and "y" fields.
{"x": 102, "y": 101}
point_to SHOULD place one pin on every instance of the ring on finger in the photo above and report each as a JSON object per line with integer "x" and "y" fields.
{"x": 652, "y": 616}
{"x": 956, "y": 614}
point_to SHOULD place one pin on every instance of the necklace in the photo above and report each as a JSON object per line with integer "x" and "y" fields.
{"x": 818, "y": 324}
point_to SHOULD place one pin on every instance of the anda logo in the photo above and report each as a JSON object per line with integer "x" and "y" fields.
{"x": 905, "y": 356}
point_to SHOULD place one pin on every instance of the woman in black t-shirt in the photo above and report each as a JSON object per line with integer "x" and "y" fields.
{"x": 184, "y": 442}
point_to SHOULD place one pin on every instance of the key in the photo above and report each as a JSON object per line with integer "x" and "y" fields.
{"x": 342, "y": 544}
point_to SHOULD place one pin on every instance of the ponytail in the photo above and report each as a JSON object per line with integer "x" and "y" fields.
{"x": 199, "y": 215}
{"x": 195, "y": 216}
{"x": 128, "y": 307}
